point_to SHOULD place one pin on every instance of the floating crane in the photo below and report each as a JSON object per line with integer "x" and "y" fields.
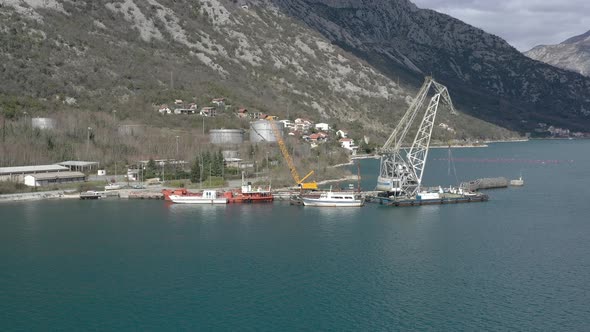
{"x": 287, "y": 156}
{"x": 401, "y": 170}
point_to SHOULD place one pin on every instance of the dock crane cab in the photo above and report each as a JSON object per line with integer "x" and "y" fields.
{"x": 298, "y": 180}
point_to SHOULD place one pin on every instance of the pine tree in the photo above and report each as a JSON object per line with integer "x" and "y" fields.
{"x": 150, "y": 169}
{"x": 206, "y": 164}
{"x": 195, "y": 174}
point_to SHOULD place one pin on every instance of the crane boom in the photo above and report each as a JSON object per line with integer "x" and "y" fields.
{"x": 401, "y": 173}
{"x": 289, "y": 160}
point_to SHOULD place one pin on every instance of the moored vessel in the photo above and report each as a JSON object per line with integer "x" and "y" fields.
{"x": 333, "y": 199}
{"x": 247, "y": 195}
{"x": 206, "y": 197}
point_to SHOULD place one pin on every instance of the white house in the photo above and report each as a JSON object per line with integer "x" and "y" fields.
{"x": 218, "y": 102}
{"x": 302, "y": 124}
{"x": 288, "y": 124}
{"x": 164, "y": 109}
{"x": 348, "y": 144}
{"x": 322, "y": 126}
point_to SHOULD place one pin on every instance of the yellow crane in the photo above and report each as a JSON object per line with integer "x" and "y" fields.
{"x": 287, "y": 156}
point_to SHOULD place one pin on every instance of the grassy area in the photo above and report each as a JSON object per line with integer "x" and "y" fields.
{"x": 21, "y": 188}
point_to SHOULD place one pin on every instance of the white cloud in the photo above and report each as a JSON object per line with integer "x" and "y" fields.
{"x": 523, "y": 23}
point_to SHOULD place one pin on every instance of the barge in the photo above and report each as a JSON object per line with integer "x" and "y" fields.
{"x": 430, "y": 199}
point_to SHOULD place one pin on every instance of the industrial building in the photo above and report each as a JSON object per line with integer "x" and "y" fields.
{"x": 18, "y": 173}
{"x": 46, "y": 179}
{"x": 80, "y": 166}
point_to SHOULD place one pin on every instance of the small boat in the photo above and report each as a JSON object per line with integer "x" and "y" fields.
{"x": 334, "y": 199}
{"x": 517, "y": 182}
{"x": 207, "y": 197}
{"x": 92, "y": 195}
{"x": 112, "y": 186}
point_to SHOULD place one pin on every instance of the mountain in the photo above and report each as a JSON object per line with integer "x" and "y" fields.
{"x": 354, "y": 63}
{"x": 487, "y": 77}
{"x": 572, "y": 54}
{"x": 131, "y": 54}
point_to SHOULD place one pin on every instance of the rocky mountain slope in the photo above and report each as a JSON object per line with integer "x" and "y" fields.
{"x": 357, "y": 63}
{"x": 491, "y": 79}
{"x": 572, "y": 54}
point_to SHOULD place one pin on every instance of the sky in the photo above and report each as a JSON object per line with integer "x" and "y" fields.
{"x": 522, "y": 23}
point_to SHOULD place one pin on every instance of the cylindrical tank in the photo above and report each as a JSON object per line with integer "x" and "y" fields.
{"x": 230, "y": 154}
{"x": 261, "y": 131}
{"x": 43, "y": 123}
{"x": 130, "y": 130}
{"x": 226, "y": 136}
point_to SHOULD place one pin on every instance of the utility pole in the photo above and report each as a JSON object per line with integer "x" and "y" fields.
{"x": 203, "y": 124}
{"x": 201, "y": 172}
{"x": 88, "y": 142}
{"x": 115, "y": 117}
{"x": 177, "y": 158}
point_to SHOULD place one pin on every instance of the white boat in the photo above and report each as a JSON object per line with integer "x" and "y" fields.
{"x": 517, "y": 182}
{"x": 334, "y": 199}
{"x": 208, "y": 197}
{"x": 112, "y": 186}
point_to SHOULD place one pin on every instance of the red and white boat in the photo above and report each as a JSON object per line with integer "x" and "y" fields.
{"x": 206, "y": 197}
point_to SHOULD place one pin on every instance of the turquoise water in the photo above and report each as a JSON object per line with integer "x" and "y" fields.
{"x": 518, "y": 262}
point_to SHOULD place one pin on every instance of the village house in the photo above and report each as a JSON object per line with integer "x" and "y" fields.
{"x": 322, "y": 126}
{"x": 255, "y": 115}
{"x": 446, "y": 127}
{"x": 348, "y": 144}
{"x": 288, "y": 124}
{"x": 164, "y": 109}
{"x": 178, "y": 102}
{"x": 219, "y": 102}
{"x": 208, "y": 111}
{"x": 303, "y": 124}
{"x": 242, "y": 113}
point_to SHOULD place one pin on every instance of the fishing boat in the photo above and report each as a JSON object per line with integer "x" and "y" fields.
{"x": 206, "y": 197}
{"x": 248, "y": 195}
{"x": 333, "y": 199}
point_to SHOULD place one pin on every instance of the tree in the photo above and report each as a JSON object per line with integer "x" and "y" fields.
{"x": 217, "y": 164}
{"x": 150, "y": 169}
{"x": 195, "y": 174}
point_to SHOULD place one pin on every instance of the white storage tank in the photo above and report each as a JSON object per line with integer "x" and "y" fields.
{"x": 261, "y": 131}
{"x": 43, "y": 123}
{"x": 226, "y": 136}
{"x": 227, "y": 154}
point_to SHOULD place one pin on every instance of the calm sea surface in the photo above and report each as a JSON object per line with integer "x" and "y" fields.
{"x": 518, "y": 262}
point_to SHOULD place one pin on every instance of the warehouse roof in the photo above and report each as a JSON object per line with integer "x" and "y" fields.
{"x": 58, "y": 175}
{"x": 32, "y": 169}
{"x": 78, "y": 163}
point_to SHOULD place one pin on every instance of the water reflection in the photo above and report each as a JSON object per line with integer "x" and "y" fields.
{"x": 204, "y": 212}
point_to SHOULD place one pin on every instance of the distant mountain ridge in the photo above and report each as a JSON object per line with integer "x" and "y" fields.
{"x": 487, "y": 76}
{"x": 572, "y": 54}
